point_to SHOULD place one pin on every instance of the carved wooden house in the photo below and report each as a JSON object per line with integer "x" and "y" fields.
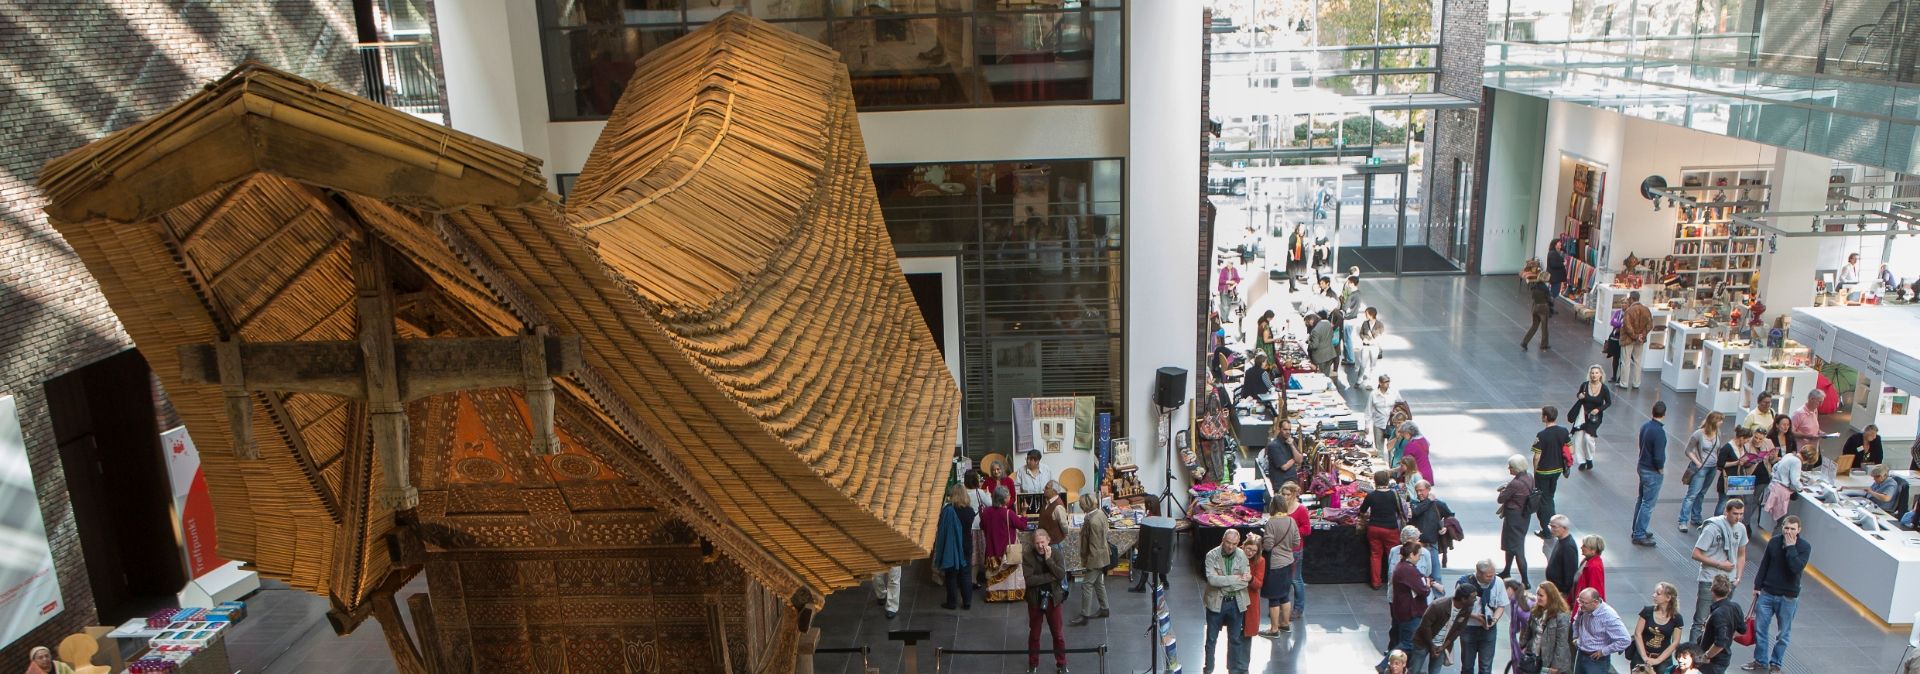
{"x": 646, "y": 431}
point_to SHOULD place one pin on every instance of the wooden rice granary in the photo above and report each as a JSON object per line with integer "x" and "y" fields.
{"x": 645, "y": 432}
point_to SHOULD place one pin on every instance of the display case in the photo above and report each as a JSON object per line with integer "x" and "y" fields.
{"x": 1720, "y": 366}
{"x": 1789, "y": 385}
{"x": 1887, "y": 407}
{"x": 1607, "y": 299}
{"x": 1686, "y": 343}
{"x": 1656, "y": 356}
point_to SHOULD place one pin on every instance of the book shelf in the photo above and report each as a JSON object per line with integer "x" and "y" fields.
{"x": 1581, "y": 238}
{"x": 1708, "y": 248}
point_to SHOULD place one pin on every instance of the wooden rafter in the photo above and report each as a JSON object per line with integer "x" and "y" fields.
{"x": 218, "y": 211}
{"x": 260, "y": 246}
{"x": 298, "y": 273}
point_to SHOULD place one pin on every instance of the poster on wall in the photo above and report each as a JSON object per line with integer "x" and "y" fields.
{"x": 192, "y": 508}
{"x": 1053, "y": 422}
{"x": 29, "y": 585}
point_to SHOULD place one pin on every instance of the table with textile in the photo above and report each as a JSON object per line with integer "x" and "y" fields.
{"x": 1335, "y": 555}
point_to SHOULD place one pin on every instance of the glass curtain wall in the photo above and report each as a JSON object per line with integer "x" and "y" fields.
{"x": 1040, "y": 250}
{"x": 900, "y": 53}
{"x": 1306, "y": 139}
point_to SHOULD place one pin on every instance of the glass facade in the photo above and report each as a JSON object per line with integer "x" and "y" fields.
{"x": 901, "y": 54}
{"x": 1040, "y": 251}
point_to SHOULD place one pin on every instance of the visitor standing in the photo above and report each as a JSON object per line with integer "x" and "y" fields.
{"x": 1227, "y": 287}
{"x": 1321, "y": 349}
{"x": 953, "y": 547}
{"x": 1291, "y": 507}
{"x": 1409, "y": 602}
{"x": 1482, "y": 631}
{"x": 1380, "y": 404}
{"x": 1598, "y": 635}
{"x": 1542, "y": 297}
{"x": 1653, "y": 462}
{"x": 1095, "y": 556}
{"x": 1549, "y": 464}
{"x": 1228, "y": 574}
{"x": 1593, "y": 571}
{"x": 1280, "y": 542}
{"x": 1556, "y": 267}
{"x": 1549, "y": 635}
{"x": 1250, "y": 622}
{"x": 1380, "y": 520}
{"x": 1044, "y": 572}
{"x": 1563, "y": 556}
{"x": 1515, "y": 497}
{"x": 1032, "y": 478}
{"x": 1283, "y": 463}
{"x": 1721, "y": 551}
{"x": 1519, "y": 613}
{"x": 1656, "y": 634}
{"x": 1702, "y": 447}
{"x": 1806, "y": 420}
{"x": 1263, "y": 337}
{"x": 1776, "y": 594}
{"x": 1428, "y": 515}
{"x": 1760, "y": 418}
{"x": 1371, "y": 330}
{"x": 1724, "y": 620}
{"x": 1590, "y": 403}
{"x": 886, "y": 590}
{"x": 1418, "y": 449}
{"x": 1635, "y": 322}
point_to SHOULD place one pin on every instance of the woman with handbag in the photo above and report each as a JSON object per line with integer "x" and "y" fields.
{"x": 1612, "y": 348}
{"x": 1701, "y": 469}
{"x": 1590, "y": 404}
{"x": 1549, "y": 635}
{"x": 1657, "y": 634}
{"x": 1001, "y": 525}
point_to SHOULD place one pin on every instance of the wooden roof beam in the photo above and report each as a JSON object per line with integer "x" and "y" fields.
{"x": 218, "y": 211}
{"x": 258, "y": 247}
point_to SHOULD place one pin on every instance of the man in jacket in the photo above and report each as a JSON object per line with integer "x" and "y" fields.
{"x": 1044, "y": 573}
{"x": 1635, "y": 323}
{"x": 1653, "y": 460}
{"x": 1427, "y": 514}
{"x": 1721, "y": 551}
{"x": 1725, "y": 620}
{"x": 1228, "y": 573}
{"x": 1598, "y": 635}
{"x": 1776, "y": 593}
{"x": 1563, "y": 559}
{"x": 1095, "y": 556}
{"x": 1439, "y": 628}
{"x": 1321, "y": 349}
{"x": 1542, "y": 310}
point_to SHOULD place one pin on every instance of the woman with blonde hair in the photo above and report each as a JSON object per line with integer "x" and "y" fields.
{"x": 1593, "y": 573}
{"x": 1590, "y": 403}
{"x": 1657, "y": 634}
{"x": 1702, "y": 446}
{"x": 1549, "y": 634}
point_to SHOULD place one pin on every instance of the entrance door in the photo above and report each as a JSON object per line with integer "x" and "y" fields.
{"x": 1378, "y": 199}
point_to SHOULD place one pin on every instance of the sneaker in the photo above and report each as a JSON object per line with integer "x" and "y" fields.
{"x": 1078, "y": 621}
{"x": 1754, "y": 666}
{"x": 891, "y": 615}
{"x": 1683, "y": 527}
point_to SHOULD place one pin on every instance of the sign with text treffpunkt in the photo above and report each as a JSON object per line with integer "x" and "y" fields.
{"x": 29, "y": 585}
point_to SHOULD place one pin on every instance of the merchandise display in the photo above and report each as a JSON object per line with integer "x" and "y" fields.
{"x": 1583, "y": 238}
{"x": 1709, "y": 249}
{"x": 1721, "y": 365}
{"x": 1685, "y": 343}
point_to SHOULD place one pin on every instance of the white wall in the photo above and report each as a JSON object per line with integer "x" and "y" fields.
{"x": 1513, "y": 182}
{"x": 481, "y": 89}
{"x": 1591, "y": 134}
{"x": 1163, "y": 201}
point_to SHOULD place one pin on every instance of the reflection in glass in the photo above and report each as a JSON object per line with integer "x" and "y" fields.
{"x": 587, "y": 70}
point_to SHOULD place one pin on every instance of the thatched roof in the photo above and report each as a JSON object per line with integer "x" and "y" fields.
{"x": 744, "y": 324}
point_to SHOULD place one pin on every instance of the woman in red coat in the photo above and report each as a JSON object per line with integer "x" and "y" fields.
{"x": 1251, "y": 621}
{"x": 1593, "y": 573}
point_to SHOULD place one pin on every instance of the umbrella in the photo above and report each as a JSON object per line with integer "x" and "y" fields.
{"x": 1844, "y": 378}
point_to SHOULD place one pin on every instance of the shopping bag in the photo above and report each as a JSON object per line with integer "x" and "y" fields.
{"x": 1745, "y": 638}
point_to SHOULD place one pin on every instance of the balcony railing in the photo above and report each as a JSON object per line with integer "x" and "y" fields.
{"x": 401, "y": 75}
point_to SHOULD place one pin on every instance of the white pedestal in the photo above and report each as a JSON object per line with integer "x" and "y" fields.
{"x": 1720, "y": 366}
{"x": 1685, "y": 346}
{"x": 1890, "y": 409}
{"x": 1789, "y": 387}
{"x": 1656, "y": 356}
{"x": 227, "y": 583}
{"x": 1609, "y": 298}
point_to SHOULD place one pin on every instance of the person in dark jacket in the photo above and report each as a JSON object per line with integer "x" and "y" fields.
{"x": 1563, "y": 561}
{"x": 1427, "y": 513}
{"x": 1041, "y": 562}
{"x": 1256, "y": 382}
{"x": 1283, "y": 463}
{"x": 1725, "y": 620}
{"x": 1652, "y": 466}
{"x": 1556, "y": 267}
{"x": 1776, "y": 593}
{"x": 1590, "y": 403}
{"x": 1514, "y": 497}
{"x": 953, "y": 547}
{"x": 1865, "y": 448}
{"x": 1542, "y": 310}
{"x": 1443, "y": 624}
{"x": 1549, "y": 464}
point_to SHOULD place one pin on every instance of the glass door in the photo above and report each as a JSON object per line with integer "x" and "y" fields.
{"x": 1378, "y": 196}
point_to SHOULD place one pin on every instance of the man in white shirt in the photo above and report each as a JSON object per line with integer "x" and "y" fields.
{"x": 1850, "y": 275}
{"x": 1033, "y": 478}
{"x": 1720, "y": 550}
{"x": 1380, "y": 410}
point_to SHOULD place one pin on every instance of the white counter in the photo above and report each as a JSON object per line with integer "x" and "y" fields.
{"x": 1720, "y": 376}
{"x": 1879, "y": 570}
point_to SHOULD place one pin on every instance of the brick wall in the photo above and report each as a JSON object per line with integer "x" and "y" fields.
{"x": 1455, "y": 136}
{"x": 1204, "y": 345}
{"x": 73, "y": 71}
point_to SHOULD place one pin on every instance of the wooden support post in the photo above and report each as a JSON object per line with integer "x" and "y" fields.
{"x": 539, "y": 391}
{"x": 428, "y": 627}
{"x": 233, "y": 383}
{"x": 388, "y": 412}
{"x": 405, "y": 655}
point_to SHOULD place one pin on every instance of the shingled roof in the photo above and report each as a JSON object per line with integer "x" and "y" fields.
{"x": 743, "y": 321}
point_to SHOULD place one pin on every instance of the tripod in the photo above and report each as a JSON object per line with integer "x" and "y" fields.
{"x": 1168, "y": 501}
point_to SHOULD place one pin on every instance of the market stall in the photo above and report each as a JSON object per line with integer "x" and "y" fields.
{"x": 179, "y": 640}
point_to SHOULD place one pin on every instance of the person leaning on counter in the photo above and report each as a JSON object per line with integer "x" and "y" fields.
{"x": 1865, "y": 448}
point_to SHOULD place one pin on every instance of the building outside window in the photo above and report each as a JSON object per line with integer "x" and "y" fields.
{"x": 900, "y": 54}
{"x": 1040, "y": 250}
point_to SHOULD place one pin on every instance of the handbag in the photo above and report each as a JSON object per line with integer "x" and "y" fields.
{"x": 1745, "y": 638}
{"x": 1527, "y": 663}
{"x": 1693, "y": 470}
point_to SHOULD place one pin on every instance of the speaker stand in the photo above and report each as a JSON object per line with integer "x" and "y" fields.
{"x": 1169, "y": 501}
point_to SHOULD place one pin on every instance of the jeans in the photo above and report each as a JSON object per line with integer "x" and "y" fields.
{"x": 1702, "y": 610}
{"x": 1231, "y": 617}
{"x": 1584, "y": 664}
{"x": 1546, "y": 485}
{"x": 1299, "y": 580}
{"x": 1433, "y": 562}
{"x": 1093, "y": 593}
{"x": 1774, "y": 653}
{"x": 1417, "y": 661}
{"x": 959, "y": 586}
{"x": 1643, "y": 510}
{"x": 1697, "y": 495}
{"x": 1635, "y": 353}
{"x": 1476, "y": 649}
{"x": 1400, "y": 638}
{"x": 1051, "y": 616}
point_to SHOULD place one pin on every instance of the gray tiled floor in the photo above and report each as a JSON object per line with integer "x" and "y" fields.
{"x": 1452, "y": 351}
